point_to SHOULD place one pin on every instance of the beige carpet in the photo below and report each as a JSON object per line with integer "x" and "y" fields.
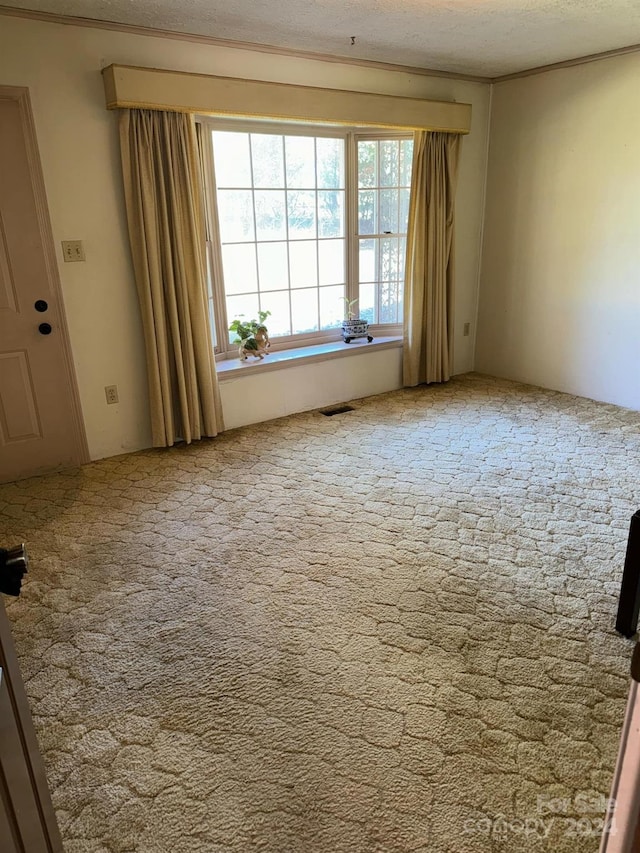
{"x": 381, "y": 632}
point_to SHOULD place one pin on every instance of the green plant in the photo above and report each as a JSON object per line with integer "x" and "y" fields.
{"x": 246, "y": 330}
{"x": 348, "y": 304}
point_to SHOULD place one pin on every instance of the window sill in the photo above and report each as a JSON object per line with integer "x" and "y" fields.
{"x": 232, "y": 368}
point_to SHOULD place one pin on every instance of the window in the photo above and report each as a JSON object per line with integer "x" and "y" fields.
{"x": 307, "y": 217}
{"x": 384, "y": 180}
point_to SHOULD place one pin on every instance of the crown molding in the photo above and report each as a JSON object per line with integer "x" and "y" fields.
{"x": 568, "y": 63}
{"x": 195, "y": 38}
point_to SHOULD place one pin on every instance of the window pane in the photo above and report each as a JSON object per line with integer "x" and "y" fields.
{"x": 330, "y": 163}
{"x": 330, "y": 214}
{"x": 331, "y": 306}
{"x": 303, "y": 265}
{"x": 381, "y": 274}
{"x": 388, "y": 269}
{"x": 331, "y": 261}
{"x": 241, "y": 308}
{"x": 304, "y": 308}
{"x": 300, "y": 158}
{"x": 383, "y": 208}
{"x": 406, "y": 162}
{"x": 270, "y": 217}
{"x": 301, "y": 210}
{"x": 231, "y": 157}
{"x": 272, "y": 266}
{"x": 239, "y": 265}
{"x": 267, "y": 160}
{"x": 278, "y": 303}
{"x": 367, "y": 260}
{"x": 367, "y": 302}
{"x": 235, "y": 211}
{"x": 389, "y": 273}
{"x": 389, "y": 162}
{"x": 404, "y": 211}
{"x": 367, "y": 212}
{"x": 388, "y": 302}
{"x": 367, "y": 163}
{"x": 389, "y": 211}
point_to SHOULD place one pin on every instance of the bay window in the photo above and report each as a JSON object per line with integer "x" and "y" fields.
{"x": 303, "y": 219}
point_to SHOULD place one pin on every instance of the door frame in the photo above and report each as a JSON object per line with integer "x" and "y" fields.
{"x": 28, "y": 806}
{"x": 21, "y": 95}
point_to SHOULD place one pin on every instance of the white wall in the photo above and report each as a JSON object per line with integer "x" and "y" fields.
{"x": 560, "y": 284}
{"x": 80, "y": 157}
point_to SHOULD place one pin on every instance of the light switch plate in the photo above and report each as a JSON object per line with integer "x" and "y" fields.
{"x": 72, "y": 250}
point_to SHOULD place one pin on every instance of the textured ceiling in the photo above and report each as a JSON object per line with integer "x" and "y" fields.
{"x": 480, "y": 37}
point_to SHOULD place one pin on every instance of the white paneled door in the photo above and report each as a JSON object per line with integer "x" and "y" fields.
{"x": 40, "y": 422}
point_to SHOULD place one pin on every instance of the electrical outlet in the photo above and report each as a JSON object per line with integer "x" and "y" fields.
{"x": 466, "y": 329}
{"x": 111, "y": 393}
{"x": 72, "y": 250}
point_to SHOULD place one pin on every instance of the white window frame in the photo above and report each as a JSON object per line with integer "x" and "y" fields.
{"x": 351, "y": 136}
{"x": 353, "y": 245}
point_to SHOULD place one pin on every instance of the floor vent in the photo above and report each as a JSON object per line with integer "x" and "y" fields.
{"x": 339, "y": 410}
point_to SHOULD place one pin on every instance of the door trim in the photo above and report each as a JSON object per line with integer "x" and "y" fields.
{"x": 21, "y": 95}
{"x": 36, "y": 807}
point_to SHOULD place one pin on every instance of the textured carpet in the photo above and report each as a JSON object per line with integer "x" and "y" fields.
{"x": 381, "y": 632}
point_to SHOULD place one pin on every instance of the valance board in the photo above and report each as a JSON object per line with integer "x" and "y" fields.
{"x": 153, "y": 88}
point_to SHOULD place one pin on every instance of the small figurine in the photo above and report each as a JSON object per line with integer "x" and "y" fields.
{"x": 257, "y": 346}
{"x": 262, "y": 339}
{"x": 252, "y": 336}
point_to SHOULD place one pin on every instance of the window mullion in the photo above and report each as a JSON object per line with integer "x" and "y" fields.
{"x": 378, "y": 278}
{"x": 255, "y": 221}
{"x": 351, "y": 201}
{"x": 215, "y": 246}
{"x": 397, "y": 237}
{"x": 286, "y": 228}
{"x": 378, "y": 270}
{"x": 316, "y": 198}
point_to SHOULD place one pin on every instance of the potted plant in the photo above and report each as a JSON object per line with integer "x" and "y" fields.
{"x": 252, "y": 335}
{"x": 354, "y": 326}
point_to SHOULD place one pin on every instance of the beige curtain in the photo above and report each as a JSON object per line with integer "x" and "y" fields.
{"x": 166, "y": 229}
{"x": 429, "y": 277}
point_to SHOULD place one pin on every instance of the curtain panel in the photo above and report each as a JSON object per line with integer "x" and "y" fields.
{"x": 429, "y": 276}
{"x": 165, "y": 214}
